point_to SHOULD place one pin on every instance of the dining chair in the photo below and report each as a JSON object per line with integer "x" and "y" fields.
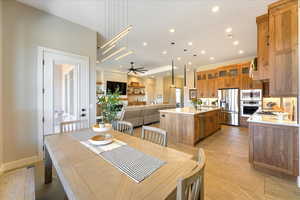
{"x": 155, "y": 135}
{"x": 123, "y": 126}
{"x": 70, "y": 126}
{"x": 191, "y": 186}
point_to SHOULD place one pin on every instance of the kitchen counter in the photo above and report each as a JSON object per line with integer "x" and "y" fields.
{"x": 269, "y": 119}
{"x": 189, "y": 110}
{"x": 188, "y": 125}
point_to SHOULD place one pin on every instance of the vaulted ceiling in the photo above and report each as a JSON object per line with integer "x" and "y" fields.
{"x": 193, "y": 21}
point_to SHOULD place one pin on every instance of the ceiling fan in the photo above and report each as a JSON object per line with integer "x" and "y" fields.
{"x": 136, "y": 70}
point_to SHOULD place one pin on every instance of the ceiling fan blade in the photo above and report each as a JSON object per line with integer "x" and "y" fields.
{"x": 139, "y": 68}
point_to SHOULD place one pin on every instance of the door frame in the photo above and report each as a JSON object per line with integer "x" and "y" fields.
{"x": 40, "y": 88}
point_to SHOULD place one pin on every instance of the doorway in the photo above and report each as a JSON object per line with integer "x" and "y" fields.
{"x": 63, "y": 85}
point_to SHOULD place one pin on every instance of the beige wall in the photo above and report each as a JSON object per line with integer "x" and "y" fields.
{"x": 1, "y": 96}
{"x": 25, "y": 29}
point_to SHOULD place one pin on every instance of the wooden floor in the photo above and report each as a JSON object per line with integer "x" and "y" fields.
{"x": 228, "y": 174}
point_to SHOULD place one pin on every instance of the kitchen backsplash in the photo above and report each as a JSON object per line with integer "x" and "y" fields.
{"x": 283, "y": 104}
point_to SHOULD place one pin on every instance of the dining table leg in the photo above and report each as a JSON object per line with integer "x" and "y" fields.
{"x": 48, "y": 167}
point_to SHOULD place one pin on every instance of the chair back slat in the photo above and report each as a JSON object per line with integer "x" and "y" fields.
{"x": 155, "y": 135}
{"x": 70, "y": 126}
{"x": 123, "y": 126}
{"x": 191, "y": 187}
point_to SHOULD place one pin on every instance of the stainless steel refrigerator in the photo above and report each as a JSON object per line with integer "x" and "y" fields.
{"x": 229, "y": 103}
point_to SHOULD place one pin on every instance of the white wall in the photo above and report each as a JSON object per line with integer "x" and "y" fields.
{"x": 1, "y": 96}
{"x": 25, "y": 29}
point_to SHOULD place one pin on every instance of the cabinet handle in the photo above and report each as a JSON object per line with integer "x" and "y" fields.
{"x": 163, "y": 115}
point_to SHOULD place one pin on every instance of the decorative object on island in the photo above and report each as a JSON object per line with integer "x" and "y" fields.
{"x": 193, "y": 94}
{"x": 196, "y": 103}
{"x": 110, "y": 106}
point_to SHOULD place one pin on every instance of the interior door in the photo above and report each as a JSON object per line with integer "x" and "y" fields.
{"x": 66, "y": 90}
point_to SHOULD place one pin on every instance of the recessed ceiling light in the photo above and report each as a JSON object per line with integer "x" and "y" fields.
{"x": 228, "y": 30}
{"x": 241, "y": 52}
{"x": 215, "y": 9}
{"x": 236, "y": 43}
{"x": 145, "y": 44}
{"x": 97, "y": 61}
{"x": 190, "y": 63}
{"x": 178, "y": 58}
{"x": 190, "y": 43}
{"x": 211, "y": 58}
{"x": 172, "y": 30}
{"x": 164, "y": 52}
{"x": 203, "y": 52}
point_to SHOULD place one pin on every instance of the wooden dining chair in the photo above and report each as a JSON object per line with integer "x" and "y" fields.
{"x": 191, "y": 186}
{"x": 70, "y": 126}
{"x": 123, "y": 126}
{"x": 155, "y": 135}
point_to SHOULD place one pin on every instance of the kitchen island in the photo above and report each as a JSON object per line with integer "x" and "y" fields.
{"x": 188, "y": 125}
{"x": 274, "y": 144}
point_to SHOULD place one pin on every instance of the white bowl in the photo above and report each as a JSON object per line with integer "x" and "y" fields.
{"x": 108, "y": 140}
{"x": 101, "y": 130}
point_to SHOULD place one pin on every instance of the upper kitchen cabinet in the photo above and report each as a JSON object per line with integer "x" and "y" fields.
{"x": 233, "y": 80}
{"x": 246, "y": 82}
{"x": 202, "y": 84}
{"x": 212, "y": 83}
{"x": 283, "y": 48}
{"x": 262, "y": 71}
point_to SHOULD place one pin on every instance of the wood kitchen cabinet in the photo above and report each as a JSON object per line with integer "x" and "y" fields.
{"x": 246, "y": 82}
{"x": 202, "y": 84}
{"x": 212, "y": 84}
{"x": 283, "y": 49}
{"x": 274, "y": 148}
{"x": 222, "y": 77}
{"x": 233, "y": 78}
{"x": 262, "y": 71}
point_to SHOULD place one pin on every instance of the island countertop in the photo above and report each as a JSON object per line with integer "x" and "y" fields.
{"x": 188, "y": 110}
{"x": 267, "y": 119}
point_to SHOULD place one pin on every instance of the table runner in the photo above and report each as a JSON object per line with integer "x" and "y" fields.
{"x": 130, "y": 161}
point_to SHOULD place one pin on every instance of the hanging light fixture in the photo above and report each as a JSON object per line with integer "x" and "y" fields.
{"x": 110, "y": 26}
{"x": 184, "y": 75}
{"x": 173, "y": 78}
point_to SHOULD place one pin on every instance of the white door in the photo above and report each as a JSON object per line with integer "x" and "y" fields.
{"x": 66, "y": 89}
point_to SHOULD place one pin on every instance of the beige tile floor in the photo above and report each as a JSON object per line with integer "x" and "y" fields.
{"x": 228, "y": 174}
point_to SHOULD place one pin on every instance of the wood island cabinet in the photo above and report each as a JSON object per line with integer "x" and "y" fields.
{"x": 283, "y": 52}
{"x": 188, "y": 126}
{"x": 274, "y": 148}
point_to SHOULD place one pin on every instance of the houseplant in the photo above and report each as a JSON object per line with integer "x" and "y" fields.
{"x": 110, "y": 106}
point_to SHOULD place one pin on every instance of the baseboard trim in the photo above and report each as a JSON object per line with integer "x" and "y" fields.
{"x": 19, "y": 163}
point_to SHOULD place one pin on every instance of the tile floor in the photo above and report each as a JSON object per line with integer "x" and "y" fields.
{"x": 228, "y": 175}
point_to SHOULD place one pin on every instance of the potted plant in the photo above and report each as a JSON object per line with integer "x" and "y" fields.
{"x": 110, "y": 106}
{"x": 196, "y": 103}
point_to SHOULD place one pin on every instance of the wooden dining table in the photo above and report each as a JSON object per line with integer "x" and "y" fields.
{"x": 84, "y": 175}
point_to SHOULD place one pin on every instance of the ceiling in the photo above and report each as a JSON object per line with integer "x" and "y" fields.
{"x": 192, "y": 20}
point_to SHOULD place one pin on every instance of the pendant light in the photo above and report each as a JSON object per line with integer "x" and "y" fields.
{"x": 184, "y": 75}
{"x": 194, "y": 78}
{"x": 173, "y": 78}
{"x": 115, "y": 18}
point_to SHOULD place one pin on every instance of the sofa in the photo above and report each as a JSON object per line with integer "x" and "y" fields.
{"x": 143, "y": 115}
